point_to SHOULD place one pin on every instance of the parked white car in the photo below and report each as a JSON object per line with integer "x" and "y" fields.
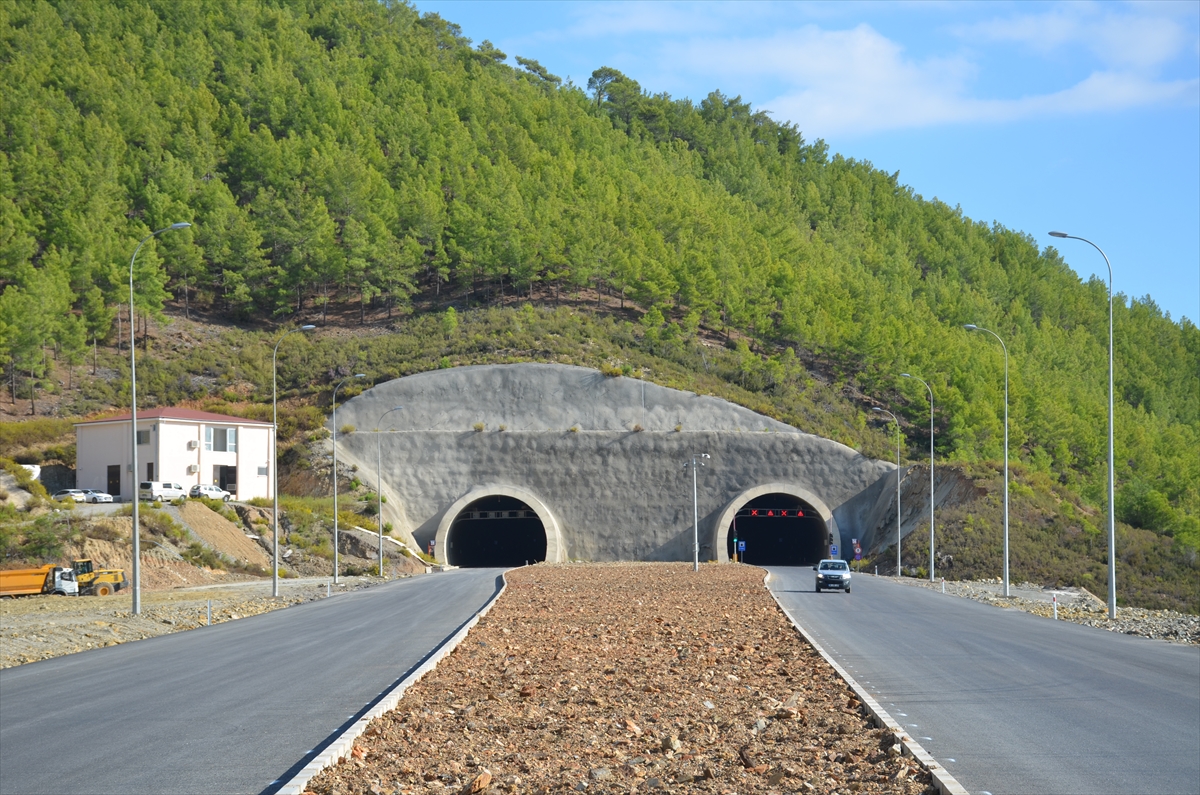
{"x": 69, "y": 494}
{"x": 160, "y": 490}
{"x": 832, "y": 574}
{"x": 209, "y": 491}
{"x": 93, "y": 496}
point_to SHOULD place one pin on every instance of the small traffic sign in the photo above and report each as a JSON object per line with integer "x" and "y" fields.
{"x": 741, "y": 546}
{"x": 833, "y": 551}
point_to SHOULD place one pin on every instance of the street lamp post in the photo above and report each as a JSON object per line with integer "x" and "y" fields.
{"x": 695, "y": 462}
{"x": 379, "y": 482}
{"x": 137, "y": 547}
{"x": 893, "y": 416}
{"x": 973, "y": 327}
{"x": 1112, "y": 518}
{"x": 930, "y": 389}
{"x": 275, "y": 463}
{"x": 336, "y": 573}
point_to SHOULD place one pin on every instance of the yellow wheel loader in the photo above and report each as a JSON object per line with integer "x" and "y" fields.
{"x": 98, "y": 582}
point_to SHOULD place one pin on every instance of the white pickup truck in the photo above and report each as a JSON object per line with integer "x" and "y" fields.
{"x": 833, "y": 574}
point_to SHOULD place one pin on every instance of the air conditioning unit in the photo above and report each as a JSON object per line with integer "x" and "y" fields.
{"x": 193, "y": 444}
{"x": 193, "y": 469}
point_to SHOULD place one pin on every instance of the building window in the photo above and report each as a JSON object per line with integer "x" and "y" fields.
{"x": 143, "y": 437}
{"x": 262, "y": 472}
{"x": 222, "y": 440}
{"x": 149, "y": 470}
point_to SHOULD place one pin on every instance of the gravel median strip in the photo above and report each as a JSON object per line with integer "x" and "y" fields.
{"x": 628, "y": 678}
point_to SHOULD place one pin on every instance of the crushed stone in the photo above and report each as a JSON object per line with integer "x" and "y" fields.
{"x": 628, "y": 678}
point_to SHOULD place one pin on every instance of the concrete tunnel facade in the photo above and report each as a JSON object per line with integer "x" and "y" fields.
{"x": 598, "y": 464}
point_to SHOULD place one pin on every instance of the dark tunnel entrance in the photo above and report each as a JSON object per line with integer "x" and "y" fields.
{"x": 779, "y": 530}
{"x": 496, "y": 531}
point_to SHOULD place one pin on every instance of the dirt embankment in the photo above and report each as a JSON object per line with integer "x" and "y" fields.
{"x": 624, "y": 678}
{"x": 223, "y": 535}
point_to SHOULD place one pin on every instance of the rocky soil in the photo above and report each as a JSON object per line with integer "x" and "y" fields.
{"x": 1077, "y": 605}
{"x": 40, "y": 627}
{"x": 629, "y": 678}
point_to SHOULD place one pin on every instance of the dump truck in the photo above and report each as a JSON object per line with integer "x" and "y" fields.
{"x": 48, "y": 579}
{"x": 98, "y": 582}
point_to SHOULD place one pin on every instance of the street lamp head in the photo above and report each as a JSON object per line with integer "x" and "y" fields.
{"x": 1059, "y": 234}
{"x": 970, "y": 327}
{"x": 905, "y": 375}
{"x": 307, "y": 328}
{"x": 180, "y": 225}
{"x": 360, "y": 375}
{"x": 876, "y": 408}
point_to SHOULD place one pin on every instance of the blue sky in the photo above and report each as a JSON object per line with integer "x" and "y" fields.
{"x": 1082, "y": 117}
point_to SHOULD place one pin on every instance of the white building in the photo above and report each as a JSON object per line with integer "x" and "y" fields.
{"x": 182, "y": 446}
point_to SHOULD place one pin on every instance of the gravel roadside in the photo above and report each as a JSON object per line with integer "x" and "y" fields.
{"x": 1076, "y": 605}
{"x": 628, "y": 678}
{"x": 36, "y": 628}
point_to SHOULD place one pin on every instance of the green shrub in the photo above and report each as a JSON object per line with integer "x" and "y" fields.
{"x": 199, "y": 555}
{"x": 14, "y": 435}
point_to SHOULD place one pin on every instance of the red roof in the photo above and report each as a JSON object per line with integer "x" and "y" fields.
{"x": 179, "y": 414}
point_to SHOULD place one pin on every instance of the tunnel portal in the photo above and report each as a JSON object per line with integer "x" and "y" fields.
{"x": 496, "y": 531}
{"x": 779, "y": 530}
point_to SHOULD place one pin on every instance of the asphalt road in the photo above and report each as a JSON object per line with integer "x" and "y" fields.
{"x": 1010, "y": 702}
{"x": 232, "y": 708}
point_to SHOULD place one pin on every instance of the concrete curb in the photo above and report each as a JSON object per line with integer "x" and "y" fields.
{"x": 946, "y": 784}
{"x": 342, "y": 746}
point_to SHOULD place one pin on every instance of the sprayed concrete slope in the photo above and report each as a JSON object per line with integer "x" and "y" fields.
{"x": 572, "y": 451}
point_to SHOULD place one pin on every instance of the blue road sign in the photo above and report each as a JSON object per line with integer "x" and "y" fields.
{"x": 833, "y": 551}
{"x": 741, "y": 546}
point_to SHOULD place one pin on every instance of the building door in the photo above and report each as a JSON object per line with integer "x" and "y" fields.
{"x": 226, "y": 478}
{"x": 149, "y": 470}
{"x": 114, "y": 479}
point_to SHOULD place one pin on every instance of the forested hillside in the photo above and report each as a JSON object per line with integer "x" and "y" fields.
{"x": 348, "y": 153}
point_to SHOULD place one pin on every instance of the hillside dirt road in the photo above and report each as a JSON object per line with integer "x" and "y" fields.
{"x": 624, "y": 678}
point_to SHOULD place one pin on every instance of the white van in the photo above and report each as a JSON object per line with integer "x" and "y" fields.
{"x": 160, "y": 490}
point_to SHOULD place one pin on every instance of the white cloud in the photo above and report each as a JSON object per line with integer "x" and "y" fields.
{"x": 1131, "y": 40}
{"x": 858, "y": 81}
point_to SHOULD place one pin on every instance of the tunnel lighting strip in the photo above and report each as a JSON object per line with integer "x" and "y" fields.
{"x": 477, "y": 515}
{"x": 776, "y": 513}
